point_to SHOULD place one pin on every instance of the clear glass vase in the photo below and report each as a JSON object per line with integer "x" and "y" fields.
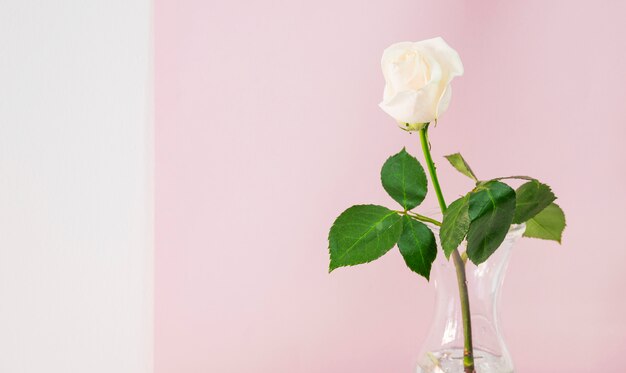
{"x": 442, "y": 351}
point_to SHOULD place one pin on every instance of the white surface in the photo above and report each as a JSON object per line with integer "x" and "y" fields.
{"x": 75, "y": 186}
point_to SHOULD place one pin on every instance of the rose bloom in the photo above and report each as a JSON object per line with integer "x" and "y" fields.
{"x": 418, "y": 76}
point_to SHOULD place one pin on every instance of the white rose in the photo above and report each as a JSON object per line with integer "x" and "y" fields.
{"x": 418, "y": 76}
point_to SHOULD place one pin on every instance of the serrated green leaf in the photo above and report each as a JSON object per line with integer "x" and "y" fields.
{"x": 418, "y": 246}
{"x": 531, "y": 198}
{"x": 491, "y": 211}
{"x": 361, "y": 234}
{"x": 457, "y": 161}
{"x": 455, "y": 225}
{"x": 404, "y": 179}
{"x": 548, "y": 224}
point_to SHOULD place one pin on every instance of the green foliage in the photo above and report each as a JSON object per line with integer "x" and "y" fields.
{"x": 548, "y": 224}
{"x": 418, "y": 246}
{"x": 457, "y": 161}
{"x": 531, "y": 198}
{"x": 404, "y": 179}
{"x": 491, "y": 211}
{"x": 455, "y": 225}
{"x": 361, "y": 234}
{"x": 364, "y": 233}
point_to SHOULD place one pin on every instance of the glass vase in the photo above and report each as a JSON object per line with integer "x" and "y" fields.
{"x": 442, "y": 351}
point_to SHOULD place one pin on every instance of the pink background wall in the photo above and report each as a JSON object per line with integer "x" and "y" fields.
{"x": 268, "y": 127}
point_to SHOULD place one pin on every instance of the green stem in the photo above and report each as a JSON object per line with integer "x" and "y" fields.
{"x": 515, "y": 177}
{"x": 468, "y": 351}
{"x": 419, "y": 217}
{"x": 431, "y": 167}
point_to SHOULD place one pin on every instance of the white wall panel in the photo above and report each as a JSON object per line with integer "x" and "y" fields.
{"x": 75, "y": 186}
